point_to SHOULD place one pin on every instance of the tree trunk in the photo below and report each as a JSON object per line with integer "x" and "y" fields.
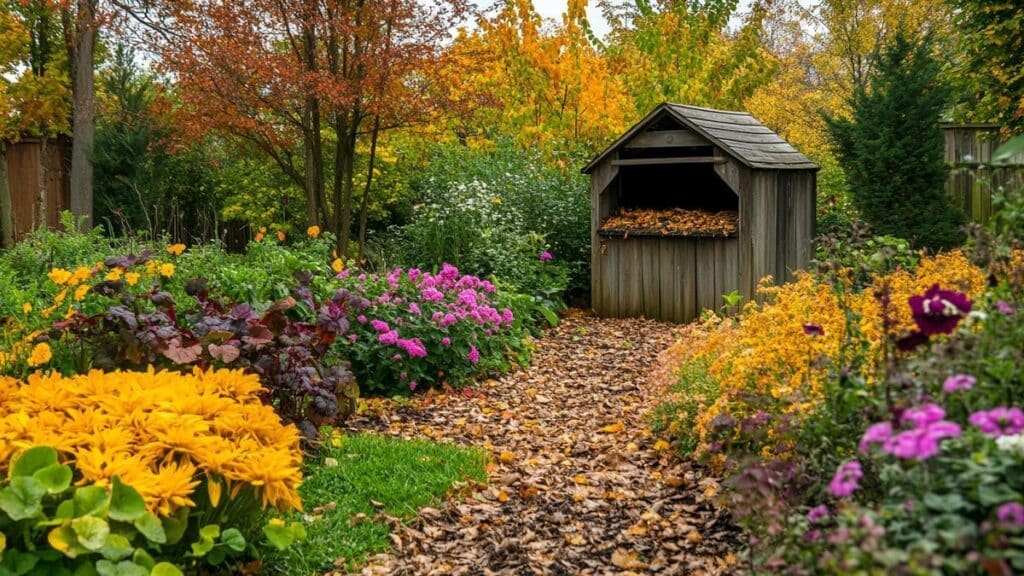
{"x": 84, "y": 116}
{"x": 312, "y": 139}
{"x": 365, "y": 202}
{"x": 347, "y": 151}
{"x": 6, "y": 211}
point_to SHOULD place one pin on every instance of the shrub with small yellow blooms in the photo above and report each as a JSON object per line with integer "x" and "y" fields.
{"x": 781, "y": 350}
{"x": 163, "y": 433}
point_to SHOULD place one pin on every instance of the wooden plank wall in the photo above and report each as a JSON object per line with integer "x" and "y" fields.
{"x": 968, "y": 151}
{"x": 603, "y": 200}
{"x": 671, "y": 279}
{"x": 795, "y": 222}
{"x": 23, "y": 171}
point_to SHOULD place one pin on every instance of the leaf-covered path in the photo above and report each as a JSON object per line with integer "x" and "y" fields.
{"x": 577, "y": 485}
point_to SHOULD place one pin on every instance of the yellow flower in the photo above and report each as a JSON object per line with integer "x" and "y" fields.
{"x": 280, "y": 235}
{"x": 26, "y": 308}
{"x": 80, "y": 292}
{"x": 167, "y": 270}
{"x": 114, "y": 275}
{"x": 41, "y": 354}
{"x": 132, "y": 278}
{"x": 337, "y": 265}
{"x": 496, "y": 200}
{"x": 263, "y": 229}
{"x": 313, "y": 231}
{"x": 176, "y": 249}
{"x": 81, "y": 274}
{"x": 59, "y": 276}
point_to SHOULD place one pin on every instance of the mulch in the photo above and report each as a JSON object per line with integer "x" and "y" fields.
{"x": 577, "y": 483}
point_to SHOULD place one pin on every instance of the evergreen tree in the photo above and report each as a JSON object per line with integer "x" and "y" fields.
{"x": 891, "y": 147}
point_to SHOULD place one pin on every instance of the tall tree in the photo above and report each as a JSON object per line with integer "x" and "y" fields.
{"x": 316, "y": 72}
{"x": 80, "y": 30}
{"x": 891, "y": 147}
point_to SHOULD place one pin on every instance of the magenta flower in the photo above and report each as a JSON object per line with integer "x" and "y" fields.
{"x": 999, "y": 421}
{"x": 924, "y": 415}
{"x": 958, "y": 382}
{"x": 813, "y": 329}
{"x": 414, "y": 308}
{"x": 388, "y": 338}
{"x": 448, "y": 320}
{"x": 545, "y": 256}
{"x": 1005, "y": 307}
{"x": 846, "y": 479}
{"x": 506, "y": 316}
{"x": 468, "y": 298}
{"x": 938, "y": 311}
{"x": 412, "y": 385}
{"x": 921, "y": 443}
{"x": 361, "y": 319}
{"x": 474, "y": 354}
{"x": 877, "y": 433}
{"x": 817, "y": 514}
{"x": 432, "y": 295}
{"x": 352, "y": 338}
{"x": 380, "y": 325}
{"x": 414, "y": 347}
{"x": 446, "y": 341}
{"x": 1011, "y": 515}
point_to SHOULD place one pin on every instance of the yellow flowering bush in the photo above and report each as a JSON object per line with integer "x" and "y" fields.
{"x": 166, "y": 434}
{"x": 780, "y": 351}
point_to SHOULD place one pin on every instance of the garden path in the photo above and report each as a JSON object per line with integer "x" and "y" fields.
{"x": 578, "y": 485}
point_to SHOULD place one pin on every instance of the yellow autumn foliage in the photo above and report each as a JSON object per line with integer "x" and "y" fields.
{"x": 767, "y": 354}
{"x": 163, "y": 433}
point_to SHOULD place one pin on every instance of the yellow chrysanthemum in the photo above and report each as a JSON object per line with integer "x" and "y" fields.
{"x": 313, "y": 231}
{"x": 59, "y": 276}
{"x": 132, "y": 278}
{"x": 80, "y": 275}
{"x": 41, "y": 354}
{"x": 176, "y": 249}
{"x": 80, "y": 292}
{"x": 337, "y": 265}
{"x": 26, "y": 308}
{"x": 114, "y": 275}
{"x": 167, "y": 270}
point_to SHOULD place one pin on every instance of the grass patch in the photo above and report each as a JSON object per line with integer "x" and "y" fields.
{"x": 404, "y": 475}
{"x": 675, "y": 417}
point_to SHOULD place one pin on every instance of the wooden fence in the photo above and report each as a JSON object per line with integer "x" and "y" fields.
{"x": 972, "y": 177}
{"x": 24, "y": 204}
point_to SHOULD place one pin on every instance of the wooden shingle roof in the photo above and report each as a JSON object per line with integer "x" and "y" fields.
{"x": 737, "y": 133}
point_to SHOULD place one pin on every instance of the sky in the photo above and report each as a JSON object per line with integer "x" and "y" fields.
{"x": 553, "y": 9}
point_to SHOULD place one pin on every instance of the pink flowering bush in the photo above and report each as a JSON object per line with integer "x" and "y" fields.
{"x": 410, "y": 329}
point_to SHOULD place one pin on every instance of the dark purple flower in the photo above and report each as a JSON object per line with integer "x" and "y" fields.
{"x": 545, "y": 256}
{"x": 877, "y": 433}
{"x": 999, "y": 421}
{"x": 1005, "y": 307}
{"x": 813, "y": 329}
{"x": 1011, "y": 515}
{"x": 817, "y": 514}
{"x": 911, "y": 341}
{"x": 958, "y": 382}
{"x": 846, "y": 479}
{"x": 938, "y": 311}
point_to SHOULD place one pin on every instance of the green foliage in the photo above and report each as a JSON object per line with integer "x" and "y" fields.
{"x": 892, "y": 149}
{"x": 355, "y": 471}
{"x": 990, "y": 70}
{"x": 492, "y": 214}
{"x": 865, "y": 256}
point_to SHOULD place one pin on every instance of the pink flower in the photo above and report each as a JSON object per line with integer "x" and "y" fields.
{"x": 432, "y": 295}
{"x": 1005, "y": 307}
{"x": 921, "y": 443}
{"x": 999, "y": 421}
{"x": 939, "y": 311}
{"x": 846, "y": 479}
{"x": 446, "y": 341}
{"x": 924, "y": 415}
{"x": 412, "y": 385}
{"x": 361, "y": 319}
{"x": 468, "y": 298}
{"x": 877, "y": 433}
{"x": 414, "y": 308}
{"x": 414, "y": 347}
{"x": 958, "y": 382}
{"x": 380, "y": 325}
{"x": 545, "y": 256}
{"x": 1011, "y": 515}
{"x": 506, "y": 316}
{"x": 352, "y": 338}
{"x": 817, "y": 514}
{"x": 448, "y": 320}
{"x": 388, "y": 338}
{"x": 474, "y": 354}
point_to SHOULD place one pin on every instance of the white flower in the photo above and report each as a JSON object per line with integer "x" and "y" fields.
{"x": 1013, "y": 443}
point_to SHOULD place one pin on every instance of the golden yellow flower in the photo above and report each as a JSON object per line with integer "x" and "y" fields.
{"x": 263, "y": 229}
{"x": 26, "y": 308}
{"x": 176, "y": 249}
{"x": 80, "y": 292}
{"x": 496, "y": 200}
{"x": 59, "y": 276}
{"x": 313, "y": 231}
{"x": 114, "y": 275}
{"x": 81, "y": 275}
{"x": 132, "y": 278}
{"x": 337, "y": 265}
{"x": 167, "y": 270}
{"x": 41, "y": 354}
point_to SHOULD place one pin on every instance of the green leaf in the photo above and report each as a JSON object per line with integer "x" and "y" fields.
{"x": 216, "y": 556}
{"x": 92, "y": 532}
{"x": 117, "y": 547}
{"x": 166, "y": 569}
{"x": 149, "y": 526}
{"x": 995, "y": 494}
{"x": 32, "y": 460}
{"x": 90, "y": 500}
{"x": 65, "y": 510}
{"x": 175, "y": 526}
{"x": 233, "y": 539}
{"x": 64, "y": 540}
{"x": 126, "y": 504}
{"x": 122, "y": 568}
{"x": 1009, "y": 150}
{"x": 550, "y": 316}
{"x": 22, "y": 498}
{"x": 86, "y": 570}
{"x": 944, "y": 503}
{"x": 279, "y": 536}
{"x": 142, "y": 558}
{"x": 298, "y": 530}
{"x": 55, "y": 478}
{"x": 210, "y": 531}
{"x": 202, "y": 547}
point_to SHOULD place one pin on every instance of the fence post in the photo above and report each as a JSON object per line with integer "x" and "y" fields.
{"x": 6, "y": 209}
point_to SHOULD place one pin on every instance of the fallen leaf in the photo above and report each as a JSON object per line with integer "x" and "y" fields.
{"x": 575, "y": 539}
{"x": 627, "y": 560}
{"x": 613, "y": 428}
{"x": 661, "y": 446}
{"x": 507, "y": 457}
{"x": 502, "y": 496}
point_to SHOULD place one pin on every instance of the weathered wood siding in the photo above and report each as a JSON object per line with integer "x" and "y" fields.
{"x": 23, "y": 172}
{"x": 665, "y": 278}
{"x": 969, "y": 149}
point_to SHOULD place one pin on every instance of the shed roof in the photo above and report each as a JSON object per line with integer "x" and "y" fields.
{"x": 737, "y": 133}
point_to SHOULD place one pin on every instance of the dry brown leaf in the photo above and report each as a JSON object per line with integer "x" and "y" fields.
{"x": 627, "y": 560}
{"x": 507, "y": 457}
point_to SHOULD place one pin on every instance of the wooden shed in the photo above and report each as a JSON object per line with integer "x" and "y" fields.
{"x": 691, "y": 204}
{"x": 973, "y": 175}
{"x": 35, "y": 186}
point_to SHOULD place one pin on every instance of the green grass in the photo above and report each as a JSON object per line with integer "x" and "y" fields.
{"x": 403, "y": 475}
